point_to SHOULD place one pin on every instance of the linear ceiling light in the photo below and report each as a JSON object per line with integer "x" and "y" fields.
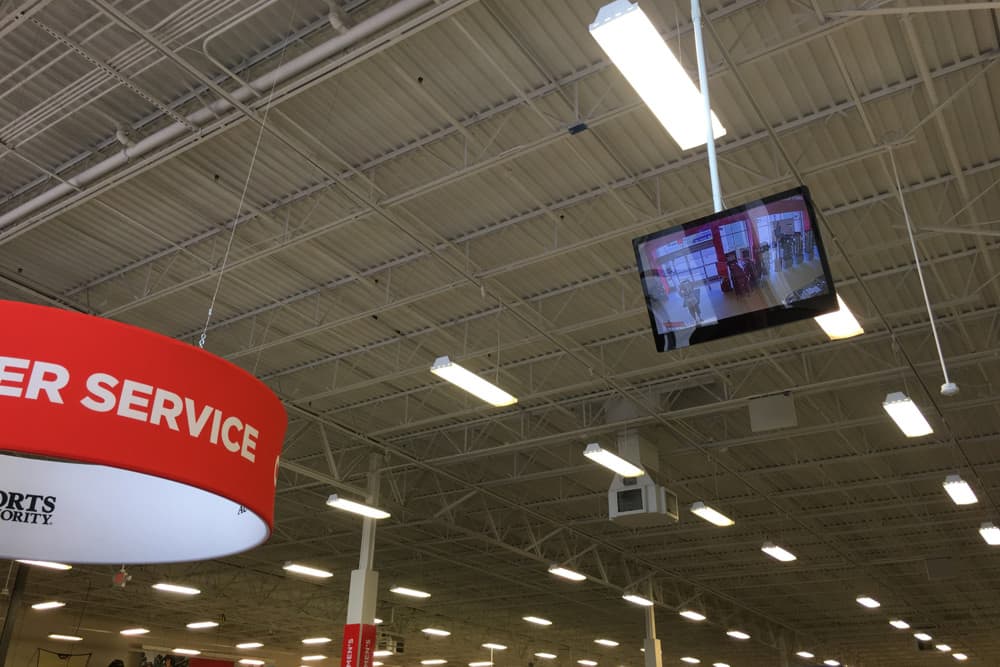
{"x": 202, "y": 625}
{"x": 382, "y": 653}
{"x": 493, "y": 646}
{"x": 841, "y": 323}
{"x": 959, "y": 656}
{"x": 959, "y": 490}
{"x": 433, "y": 661}
{"x": 922, "y": 636}
{"x": 174, "y": 588}
{"x": 566, "y": 573}
{"x": 899, "y": 624}
{"x": 546, "y": 656}
{"x": 313, "y": 658}
{"x": 944, "y": 648}
{"x": 830, "y": 662}
{"x": 638, "y": 599}
{"x": 187, "y": 651}
{"x": 869, "y": 602}
{"x": 777, "y": 553}
{"x": 409, "y": 592}
{"x": 378, "y": 621}
{"x": 606, "y": 642}
{"x": 587, "y": 663}
{"x": 297, "y": 568}
{"x": 66, "y": 638}
{"x": 738, "y": 634}
{"x": 692, "y": 615}
{"x": 537, "y": 620}
{"x": 711, "y": 515}
{"x": 253, "y": 662}
{"x": 806, "y": 654}
{"x": 435, "y": 632}
{"x": 133, "y": 632}
{"x": 316, "y": 640}
{"x": 42, "y": 606}
{"x": 481, "y": 663}
{"x": 465, "y": 379}
{"x": 632, "y": 43}
{"x": 612, "y": 461}
{"x": 990, "y": 533}
{"x": 47, "y": 564}
{"x": 907, "y": 415}
{"x": 250, "y": 645}
{"x": 691, "y": 661}
{"x": 720, "y": 664}
{"x": 339, "y": 503}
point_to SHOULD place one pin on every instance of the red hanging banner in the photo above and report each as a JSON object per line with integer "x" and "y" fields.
{"x": 359, "y": 645}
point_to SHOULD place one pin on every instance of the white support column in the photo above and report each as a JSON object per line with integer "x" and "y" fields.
{"x": 713, "y": 161}
{"x": 652, "y": 656}
{"x": 364, "y": 580}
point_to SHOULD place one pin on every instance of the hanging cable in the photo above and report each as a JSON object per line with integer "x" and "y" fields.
{"x": 949, "y": 388}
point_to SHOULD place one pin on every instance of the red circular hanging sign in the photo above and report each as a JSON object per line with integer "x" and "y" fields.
{"x": 155, "y": 451}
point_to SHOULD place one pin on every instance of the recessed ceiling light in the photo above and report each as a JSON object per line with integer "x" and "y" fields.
{"x": 42, "y": 606}
{"x": 546, "y": 656}
{"x": 712, "y": 515}
{"x": 899, "y": 624}
{"x": 316, "y": 640}
{"x": 465, "y": 379}
{"x": 313, "y": 658}
{"x": 806, "y": 654}
{"x": 690, "y": 660}
{"x": 537, "y": 620}
{"x": 612, "y": 461}
{"x": 606, "y": 642}
{"x": 307, "y": 570}
{"x": 174, "y": 588}
{"x": 47, "y": 564}
{"x": 638, "y": 599}
{"x": 433, "y": 661}
{"x": 409, "y": 592}
{"x": 922, "y": 636}
{"x": 246, "y": 645}
{"x": 692, "y": 615}
{"x": 566, "y": 573}
{"x": 346, "y": 505}
{"x": 907, "y": 415}
{"x": 493, "y": 646}
{"x": 187, "y": 651}
{"x": 841, "y": 323}
{"x": 133, "y": 632}
{"x": 738, "y": 634}
{"x": 777, "y": 553}
{"x": 66, "y": 638}
{"x": 435, "y": 632}
{"x": 868, "y": 602}
{"x": 202, "y": 625}
{"x": 254, "y": 662}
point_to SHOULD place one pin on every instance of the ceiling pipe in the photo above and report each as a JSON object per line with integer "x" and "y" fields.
{"x": 206, "y": 114}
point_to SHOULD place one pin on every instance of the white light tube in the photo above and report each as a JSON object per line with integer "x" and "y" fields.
{"x": 297, "y": 568}
{"x": 612, "y": 461}
{"x": 465, "y": 379}
{"x": 907, "y": 415}
{"x": 840, "y": 323}
{"x": 566, "y": 573}
{"x": 777, "y": 553}
{"x": 637, "y": 599}
{"x": 990, "y": 533}
{"x": 711, "y": 515}
{"x": 959, "y": 490}
{"x": 339, "y": 503}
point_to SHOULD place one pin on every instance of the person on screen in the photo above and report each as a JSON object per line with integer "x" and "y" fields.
{"x": 691, "y": 295}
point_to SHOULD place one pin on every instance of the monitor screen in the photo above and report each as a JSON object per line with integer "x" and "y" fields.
{"x": 750, "y": 267}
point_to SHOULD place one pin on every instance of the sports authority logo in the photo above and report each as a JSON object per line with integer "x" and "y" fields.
{"x": 32, "y": 508}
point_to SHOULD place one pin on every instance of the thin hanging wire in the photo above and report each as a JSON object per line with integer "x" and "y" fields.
{"x": 916, "y": 259}
{"x": 243, "y": 196}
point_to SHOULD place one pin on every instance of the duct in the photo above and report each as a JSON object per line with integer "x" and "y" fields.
{"x": 206, "y": 114}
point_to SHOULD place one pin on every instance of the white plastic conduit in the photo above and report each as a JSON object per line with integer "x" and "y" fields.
{"x": 174, "y": 131}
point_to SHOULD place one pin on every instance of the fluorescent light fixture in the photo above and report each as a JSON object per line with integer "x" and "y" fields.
{"x": 959, "y": 490}
{"x": 566, "y": 573}
{"x": 187, "y": 651}
{"x": 298, "y": 568}
{"x": 689, "y": 660}
{"x": 720, "y": 664}
{"x": 806, "y": 654}
{"x": 251, "y": 661}
{"x": 959, "y": 656}
{"x": 990, "y": 533}
{"x": 637, "y": 599}
{"x": 339, "y": 503}
{"x": 134, "y": 632}
{"x": 316, "y": 640}
{"x": 66, "y": 638}
{"x": 692, "y": 615}
{"x": 922, "y": 636}
{"x": 377, "y": 663}
{"x": 713, "y": 516}
{"x": 546, "y": 656}
{"x": 202, "y": 625}
{"x": 445, "y": 369}
{"x": 246, "y": 645}
{"x": 481, "y": 663}
{"x": 944, "y": 648}
{"x": 606, "y": 642}
{"x": 409, "y": 592}
{"x": 777, "y": 553}
{"x": 633, "y": 44}
{"x": 47, "y": 564}
{"x": 738, "y": 634}
{"x": 869, "y": 602}
{"x": 378, "y": 621}
{"x": 537, "y": 620}
{"x": 493, "y": 646}
{"x": 382, "y": 653}
{"x": 435, "y": 632}
{"x": 907, "y": 415}
{"x": 433, "y": 661}
{"x": 313, "y": 658}
{"x": 841, "y": 323}
{"x": 42, "y": 606}
{"x": 587, "y": 663}
{"x": 174, "y": 588}
{"x": 831, "y": 662}
{"x": 899, "y": 624}
{"x": 612, "y": 461}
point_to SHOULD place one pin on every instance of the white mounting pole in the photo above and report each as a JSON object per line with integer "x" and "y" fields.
{"x": 713, "y": 161}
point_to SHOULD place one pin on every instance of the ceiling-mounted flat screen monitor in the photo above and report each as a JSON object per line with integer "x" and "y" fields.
{"x": 750, "y": 267}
